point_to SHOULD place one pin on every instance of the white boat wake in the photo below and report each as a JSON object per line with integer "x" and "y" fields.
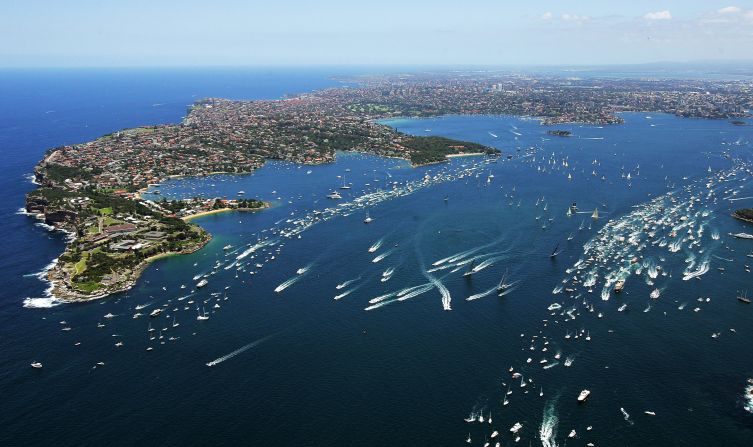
{"x": 483, "y": 294}
{"x": 288, "y": 283}
{"x": 548, "y": 428}
{"x": 240, "y": 350}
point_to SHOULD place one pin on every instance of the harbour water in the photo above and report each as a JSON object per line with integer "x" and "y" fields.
{"x": 324, "y": 330}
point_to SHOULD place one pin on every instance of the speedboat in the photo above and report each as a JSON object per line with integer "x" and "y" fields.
{"x": 583, "y": 395}
{"x": 155, "y": 312}
{"x": 515, "y": 428}
{"x": 36, "y": 365}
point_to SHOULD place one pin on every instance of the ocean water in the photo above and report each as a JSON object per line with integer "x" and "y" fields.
{"x": 306, "y": 344}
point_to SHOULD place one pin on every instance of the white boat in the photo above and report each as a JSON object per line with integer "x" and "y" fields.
{"x": 36, "y": 365}
{"x": 368, "y": 219}
{"x": 583, "y": 395}
{"x": 109, "y": 315}
{"x": 202, "y": 316}
{"x": 515, "y": 428}
{"x": 621, "y": 308}
{"x": 554, "y": 306}
{"x": 595, "y": 214}
{"x": 334, "y": 195}
{"x": 202, "y": 283}
{"x": 655, "y": 293}
{"x": 155, "y": 313}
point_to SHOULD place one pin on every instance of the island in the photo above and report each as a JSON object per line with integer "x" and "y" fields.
{"x": 94, "y": 190}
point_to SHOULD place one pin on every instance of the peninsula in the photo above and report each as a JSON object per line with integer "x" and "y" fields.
{"x": 93, "y": 190}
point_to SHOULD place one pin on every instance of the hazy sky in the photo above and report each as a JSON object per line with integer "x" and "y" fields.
{"x": 382, "y": 32}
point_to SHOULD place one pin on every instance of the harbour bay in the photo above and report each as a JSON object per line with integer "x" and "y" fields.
{"x": 299, "y": 366}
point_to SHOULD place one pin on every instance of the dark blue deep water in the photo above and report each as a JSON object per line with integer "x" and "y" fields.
{"x": 309, "y": 365}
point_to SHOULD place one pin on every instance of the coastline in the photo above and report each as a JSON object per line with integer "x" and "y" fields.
{"x": 61, "y": 292}
{"x": 224, "y": 210}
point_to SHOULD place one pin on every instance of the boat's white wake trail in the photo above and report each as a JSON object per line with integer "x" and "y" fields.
{"x": 345, "y": 284}
{"x": 383, "y": 255}
{"x": 288, "y": 283}
{"x": 548, "y": 428}
{"x": 381, "y": 298}
{"x": 702, "y": 269}
{"x": 305, "y": 268}
{"x": 483, "y": 294}
{"x": 346, "y": 293}
{"x": 485, "y": 264}
{"x": 374, "y": 247}
{"x": 463, "y": 254}
{"x": 240, "y": 350}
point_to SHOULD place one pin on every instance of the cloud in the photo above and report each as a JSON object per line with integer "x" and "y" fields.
{"x": 574, "y": 18}
{"x": 547, "y": 16}
{"x": 729, "y": 10}
{"x": 658, "y": 15}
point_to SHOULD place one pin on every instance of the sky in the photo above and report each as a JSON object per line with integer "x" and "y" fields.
{"x": 105, "y": 33}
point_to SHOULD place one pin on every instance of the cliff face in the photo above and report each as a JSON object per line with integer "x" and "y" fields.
{"x": 56, "y": 217}
{"x": 60, "y": 218}
{"x": 36, "y": 205}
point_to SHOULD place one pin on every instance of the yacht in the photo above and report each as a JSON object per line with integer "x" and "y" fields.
{"x": 334, "y": 195}
{"x": 202, "y": 283}
{"x": 156, "y": 312}
{"x": 202, "y": 316}
{"x": 36, "y": 365}
{"x": 583, "y": 395}
{"x": 368, "y": 219}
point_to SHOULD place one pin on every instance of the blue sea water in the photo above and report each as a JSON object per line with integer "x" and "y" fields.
{"x": 309, "y": 365}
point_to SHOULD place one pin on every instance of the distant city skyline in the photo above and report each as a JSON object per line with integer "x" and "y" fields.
{"x": 87, "y": 33}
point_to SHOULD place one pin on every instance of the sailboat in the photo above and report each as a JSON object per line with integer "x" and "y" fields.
{"x": 368, "y": 218}
{"x": 570, "y": 237}
{"x": 555, "y": 252}
{"x": 175, "y": 323}
{"x": 503, "y": 283}
{"x": 595, "y": 214}
{"x": 744, "y": 298}
{"x": 202, "y": 316}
